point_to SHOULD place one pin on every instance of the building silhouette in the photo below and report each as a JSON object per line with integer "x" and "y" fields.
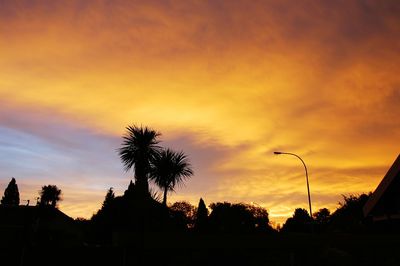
{"x": 384, "y": 203}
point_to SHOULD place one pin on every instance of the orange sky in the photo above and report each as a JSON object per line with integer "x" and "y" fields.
{"x": 228, "y": 82}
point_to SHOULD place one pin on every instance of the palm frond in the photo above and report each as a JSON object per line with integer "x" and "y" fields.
{"x": 155, "y": 195}
{"x": 170, "y": 168}
{"x": 139, "y": 146}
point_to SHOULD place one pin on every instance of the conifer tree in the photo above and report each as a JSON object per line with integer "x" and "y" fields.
{"x": 110, "y": 196}
{"x": 11, "y": 194}
{"x": 202, "y": 216}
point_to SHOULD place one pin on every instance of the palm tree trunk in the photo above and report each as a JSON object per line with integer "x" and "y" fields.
{"x": 165, "y": 196}
{"x": 142, "y": 186}
{"x": 141, "y": 180}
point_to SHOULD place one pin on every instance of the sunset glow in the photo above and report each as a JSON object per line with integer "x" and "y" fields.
{"x": 227, "y": 82}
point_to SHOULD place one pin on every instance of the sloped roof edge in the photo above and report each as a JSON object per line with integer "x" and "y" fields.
{"x": 382, "y": 187}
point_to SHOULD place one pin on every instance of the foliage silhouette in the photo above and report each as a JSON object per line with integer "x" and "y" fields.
{"x": 300, "y": 222}
{"x": 110, "y": 196}
{"x": 322, "y": 216}
{"x": 241, "y": 218}
{"x": 139, "y": 147}
{"x": 321, "y": 220}
{"x": 50, "y": 195}
{"x": 129, "y": 213}
{"x": 11, "y": 194}
{"x": 155, "y": 195}
{"x": 170, "y": 169}
{"x": 349, "y": 216}
{"x": 139, "y": 208}
{"x": 260, "y": 217}
{"x": 201, "y": 223}
{"x": 184, "y": 213}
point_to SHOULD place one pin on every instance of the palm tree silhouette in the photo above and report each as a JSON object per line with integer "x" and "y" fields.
{"x": 169, "y": 169}
{"x": 138, "y": 149}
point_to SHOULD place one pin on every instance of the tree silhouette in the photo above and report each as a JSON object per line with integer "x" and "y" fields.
{"x": 185, "y": 212}
{"x": 110, "y": 196}
{"x": 260, "y": 217}
{"x": 169, "y": 169}
{"x": 239, "y": 217}
{"x": 349, "y": 216}
{"x": 50, "y": 195}
{"x": 322, "y": 216}
{"x": 138, "y": 149}
{"x": 201, "y": 216}
{"x": 299, "y": 222}
{"x": 321, "y": 220}
{"x": 11, "y": 194}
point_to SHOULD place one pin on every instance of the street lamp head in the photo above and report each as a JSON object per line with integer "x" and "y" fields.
{"x": 277, "y": 152}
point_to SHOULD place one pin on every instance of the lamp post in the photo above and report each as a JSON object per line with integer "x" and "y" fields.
{"x": 305, "y": 167}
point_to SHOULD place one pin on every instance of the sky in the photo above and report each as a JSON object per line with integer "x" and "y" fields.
{"x": 227, "y": 82}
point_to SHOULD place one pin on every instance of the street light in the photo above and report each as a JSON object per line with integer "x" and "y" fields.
{"x": 305, "y": 167}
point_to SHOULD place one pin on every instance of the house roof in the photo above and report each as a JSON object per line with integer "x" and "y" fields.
{"x": 20, "y": 215}
{"x": 388, "y": 187}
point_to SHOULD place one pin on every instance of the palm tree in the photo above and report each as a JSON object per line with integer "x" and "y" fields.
{"x": 169, "y": 169}
{"x": 138, "y": 149}
{"x": 50, "y": 195}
